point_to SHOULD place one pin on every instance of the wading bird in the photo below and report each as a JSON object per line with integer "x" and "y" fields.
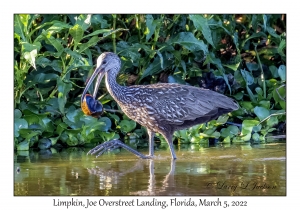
{"x": 162, "y": 108}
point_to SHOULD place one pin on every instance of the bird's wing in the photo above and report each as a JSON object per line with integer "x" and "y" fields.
{"x": 177, "y": 103}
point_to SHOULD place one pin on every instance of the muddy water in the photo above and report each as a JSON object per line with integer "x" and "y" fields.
{"x": 231, "y": 170}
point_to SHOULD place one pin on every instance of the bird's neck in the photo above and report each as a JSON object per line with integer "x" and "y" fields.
{"x": 115, "y": 90}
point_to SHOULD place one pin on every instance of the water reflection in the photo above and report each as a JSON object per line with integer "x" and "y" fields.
{"x": 109, "y": 178}
{"x": 232, "y": 170}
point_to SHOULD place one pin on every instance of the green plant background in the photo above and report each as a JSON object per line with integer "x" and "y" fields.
{"x": 55, "y": 54}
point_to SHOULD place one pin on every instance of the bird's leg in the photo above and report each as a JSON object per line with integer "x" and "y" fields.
{"x": 151, "y": 142}
{"x": 113, "y": 144}
{"x": 173, "y": 166}
{"x": 168, "y": 138}
{"x": 151, "y": 181}
{"x": 169, "y": 179}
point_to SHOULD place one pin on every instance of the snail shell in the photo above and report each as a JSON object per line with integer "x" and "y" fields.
{"x": 91, "y": 107}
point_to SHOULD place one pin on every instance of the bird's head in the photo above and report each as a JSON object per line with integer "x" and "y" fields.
{"x": 106, "y": 62}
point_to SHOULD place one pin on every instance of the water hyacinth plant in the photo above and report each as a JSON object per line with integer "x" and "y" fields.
{"x": 242, "y": 56}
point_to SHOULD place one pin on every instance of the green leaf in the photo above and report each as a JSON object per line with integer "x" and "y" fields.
{"x": 238, "y": 96}
{"x": 44, "y": 143}
{"x": 230, "y": 131}
{"x": 47, "y": 125}
{"x": 23, "y": 146}
{"x": 226, "y": 140}
{"x": 61, "y": 127}
{"x": 236, "y": 41}
{"x": 265, "y": 18}
{"x": 44, "y": 62}
{"x": 251, "y": 95}
{"x": 222, "y": 119}
{"x": 27, "y": 47}
{"x": 255, "y": 137}
{"x": 259, "y": 91}
{"x": 72, "y": 140}
{"x": 255, "y": 35}
{"x": 153, "y": 68}
{"x": 54, "y": 140}
{"x": 194, "y": 140}
{"x": 183, "y": 65}
{"x": 272, "y": 121}
{"x": 63, "y": 90}
{"x": 19, "y": 124}
{"x": 216, "y": 135}
{"x": 282, "y": 72}
{"x": 58, "y": 26}
{"x": 246, "y": 137}
{"x": 97, "y": 32}
{"x": 272, "y": 32}
{"x": 252, "y": 66}
{"x": 176, "y": 79}
{"x": 98, "y": 126}
{"x": 161, "y": 59}
{"x": 246, "y": 105}
{"x": 88, "y": 119}
{"x": 150, "y": 27}
{"x": 28, "y": 133}
{"x": 73, "y": 114}
{"x": 107, "y": 136}
{"x": 265, "y": 104}
{"x": 233, "y": 66}
{"x": 54, "y": 42}
{"x": 209, "y": 131}
{"x": 99, "y": 20}
{"x": 73, "y": 54}
{"x": 77, "y": 34}
{"x": 84, "y": 21}
{"x": 257, "y": 128}
{"x": 247, "y": 77}
{"x": 274, "y": 71}
{"x": 188, "y": 40}
{"x": 19, "y": 27}
{"x": 247, "y": 127}
{"x": 43, "y": 78}
{"x": 92, "y": 42}
{"x": 282, "y": 46}
{"x": 30, "y": 57}
{"x": 31, "y": 117}
{"x": 17, "y": 114}
{"x": 127, "y": 125}
{"x": 132, "y": 51}
{"x": 211, "y": 58}
{"x": 261, "y": 112}
{"x": 271, "y": 130}
{"x": 107, "y": 124}
{"x": 280, "y": 96}
{"x": 201, "y": 23}
{"x": 247, "y": 124}
{"x": 115, "y": 117}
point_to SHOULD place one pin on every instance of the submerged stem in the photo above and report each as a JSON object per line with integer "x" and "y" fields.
{"x": 262, "y": 72}
{"x": 114, "y": 34}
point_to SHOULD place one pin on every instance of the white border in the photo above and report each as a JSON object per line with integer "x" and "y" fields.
{"x": 154, "y": 6}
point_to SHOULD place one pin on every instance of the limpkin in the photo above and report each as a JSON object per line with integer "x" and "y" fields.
{"x": 162, "y": 108}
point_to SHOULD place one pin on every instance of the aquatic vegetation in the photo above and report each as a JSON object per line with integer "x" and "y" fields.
{"x": 242, "y": 56}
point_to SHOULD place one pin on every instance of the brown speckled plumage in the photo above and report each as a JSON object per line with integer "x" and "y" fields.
{"x": 163, "y": 108}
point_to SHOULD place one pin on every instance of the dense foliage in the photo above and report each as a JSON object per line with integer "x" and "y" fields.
{"x": 242, "y": 56}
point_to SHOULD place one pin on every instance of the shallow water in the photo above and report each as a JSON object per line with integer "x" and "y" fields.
{"x": 222, "y": 170}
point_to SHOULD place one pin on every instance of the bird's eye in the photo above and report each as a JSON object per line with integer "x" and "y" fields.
{"x": 104, "y": 62}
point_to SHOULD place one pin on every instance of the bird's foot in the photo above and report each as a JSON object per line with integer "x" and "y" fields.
{"x": 113, "y": 144}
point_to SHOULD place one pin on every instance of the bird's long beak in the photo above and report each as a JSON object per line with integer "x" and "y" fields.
{"x": 100, "y": 72}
